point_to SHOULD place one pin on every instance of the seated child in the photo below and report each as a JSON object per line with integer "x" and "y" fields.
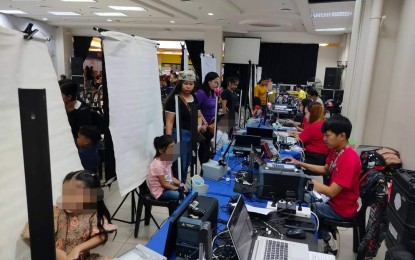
{"x": 81, "y": 219}
{"x": 87, "y": 141}
{"x": 257, "y": 108}
{"x": 160, "y": 180}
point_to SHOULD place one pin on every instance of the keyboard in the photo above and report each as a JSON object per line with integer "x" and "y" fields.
{"x": 283, "y": 167}
{"x": 276, "y": 250}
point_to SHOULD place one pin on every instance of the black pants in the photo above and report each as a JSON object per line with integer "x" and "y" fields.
{"x": 204, "y": 152}
{"x": 316, "y": 159}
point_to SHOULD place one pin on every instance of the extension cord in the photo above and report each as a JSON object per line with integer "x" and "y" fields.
{"x": 305, "y": 212}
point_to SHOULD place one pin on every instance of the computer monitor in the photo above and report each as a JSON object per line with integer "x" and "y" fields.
{"x": 327, "y": 94}
{"x": 278, "y": 183}
{"x": 247, "y": 140}
{"x": 284, "y": 88}
{"x": 172, "y": 231}
{"x": 262, "y": 132}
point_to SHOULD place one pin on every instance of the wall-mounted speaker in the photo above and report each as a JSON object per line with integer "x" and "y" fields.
{"x": 332, "y": 78}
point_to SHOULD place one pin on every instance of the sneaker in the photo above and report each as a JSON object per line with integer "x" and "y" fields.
{"x": 330, "y": 246}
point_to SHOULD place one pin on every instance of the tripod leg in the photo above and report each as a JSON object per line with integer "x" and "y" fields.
{"x": 138, "y": 216}
{"x": 119, "y": 206}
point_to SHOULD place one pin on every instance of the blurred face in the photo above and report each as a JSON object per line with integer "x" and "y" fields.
{"x": 82, "y": 141}
{"x": 233, "y": 85}
{"x": 214, "y": 83}
{"x": 332, "y": 140}
{"x": 167, "y": 153}
{"x": 77, "y": 198}
{"x": 187, "y": 87}
{"x": 66, "y": 98}
{"x": 307, "y": 114}
{"x": 265, "y": 82}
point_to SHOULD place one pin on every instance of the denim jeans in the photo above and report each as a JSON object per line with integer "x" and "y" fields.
{"x": 325, "y": 211}
{"x": 185, "y": 153}
{"x": 171, "y": 194}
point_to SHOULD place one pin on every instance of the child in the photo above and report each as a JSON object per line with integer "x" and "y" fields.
{"x": 87, "y": 142}
{"x": 257, "y": 108}
{"x": 83, "y": 221}
{"x": 160, "y": 181}
{"x": 222, "y": 137}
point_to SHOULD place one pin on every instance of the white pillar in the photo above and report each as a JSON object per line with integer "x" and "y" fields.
{"x": 214, "y": 45}
{"x": 64, "y": 51}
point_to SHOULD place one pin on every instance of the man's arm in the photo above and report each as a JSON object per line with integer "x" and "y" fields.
{"x": 323, "y": 170}
{"x": 330, "y": 191}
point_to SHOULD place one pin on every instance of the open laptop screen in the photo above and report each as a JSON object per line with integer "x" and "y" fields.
{"x": 263, "y": 132}
{"x": 241, "y": 230}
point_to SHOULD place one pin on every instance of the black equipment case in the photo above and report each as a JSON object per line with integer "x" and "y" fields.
{"x": 401, "y": 208}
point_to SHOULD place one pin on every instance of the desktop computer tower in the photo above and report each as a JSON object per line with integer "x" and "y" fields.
{"x": 189, "y": 228}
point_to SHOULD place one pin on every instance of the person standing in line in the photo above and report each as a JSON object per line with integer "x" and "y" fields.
{"x": 185, "y": 90}
{"x": 207, "y": 103}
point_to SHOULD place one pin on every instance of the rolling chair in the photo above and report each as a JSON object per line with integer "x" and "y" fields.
{"x": 146, "y": 200}
{"x": 357, "y": 223}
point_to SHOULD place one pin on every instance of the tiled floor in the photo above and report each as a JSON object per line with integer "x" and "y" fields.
{"x": 125, "y": 240}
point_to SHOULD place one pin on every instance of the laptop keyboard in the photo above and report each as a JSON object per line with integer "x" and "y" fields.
{"x": 276, "y": 250}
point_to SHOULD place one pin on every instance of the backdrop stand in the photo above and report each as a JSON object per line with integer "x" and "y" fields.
{"x": 133, "y": 207}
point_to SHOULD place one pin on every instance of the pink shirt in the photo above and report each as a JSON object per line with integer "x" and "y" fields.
{"x": 158, "y": 168}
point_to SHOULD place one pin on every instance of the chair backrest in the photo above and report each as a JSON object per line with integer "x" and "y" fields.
{"x": 143, "y": 188}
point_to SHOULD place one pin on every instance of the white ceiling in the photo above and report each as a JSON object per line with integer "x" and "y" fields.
{"x": 233, "y": 16}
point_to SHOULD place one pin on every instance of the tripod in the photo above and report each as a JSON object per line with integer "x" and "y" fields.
{"x": 133, "y": 207}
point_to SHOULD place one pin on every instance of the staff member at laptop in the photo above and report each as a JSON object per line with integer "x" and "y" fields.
{"x": 344, "y": 167}
{"x": 316, "y": 149}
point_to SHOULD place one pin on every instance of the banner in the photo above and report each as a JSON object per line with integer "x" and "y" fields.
{"x": 27, "y": 64}
{"x": 208, "y": 64}
{"x": 135, "y": 108}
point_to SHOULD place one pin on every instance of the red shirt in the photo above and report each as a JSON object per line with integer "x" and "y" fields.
{"x": 346, "y": 172}
{"x": 305, "y": 123}
{"x": 312, "y": 138}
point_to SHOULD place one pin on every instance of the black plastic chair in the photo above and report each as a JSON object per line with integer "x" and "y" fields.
{"x": 358, "y": 224}
{"x": 146, "y": 200}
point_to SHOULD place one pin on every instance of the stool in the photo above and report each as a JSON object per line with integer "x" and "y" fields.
{"x": 146, "y": 200}
{"x": 357, "y": 223}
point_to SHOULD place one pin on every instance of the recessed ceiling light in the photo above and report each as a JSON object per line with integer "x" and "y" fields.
{"x": 323, "y": 44}
{"x": 127, "y": 8}
{"x": 64, "y": 13}
{"x": 109, "y": 20}
{"x": 331, "y": 14}
{"x": 172, "y": 22}
{"x": 110, "y": 14}
{"x": 45, "y": 19}
{"x": 85, "y": 1}
{"x": 12, "y": 12}
{"x": 210, "y": 13}
{"x": 330, "y": 30}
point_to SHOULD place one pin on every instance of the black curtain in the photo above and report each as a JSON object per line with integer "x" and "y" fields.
{"x": 237, "y": 70}
{"x": 81, "y": 46}
{"x": 195, "y": 48}
{"x": 287, "y": 62}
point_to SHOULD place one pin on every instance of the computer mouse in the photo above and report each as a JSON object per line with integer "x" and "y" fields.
{"x": 295, "y": 233}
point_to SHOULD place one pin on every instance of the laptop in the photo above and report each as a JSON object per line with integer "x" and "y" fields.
{"x": 246, "y": 142}
{"x": 248, "y": 246}
{"x": 264, "y": 133}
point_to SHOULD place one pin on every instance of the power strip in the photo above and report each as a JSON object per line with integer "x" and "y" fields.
{"x": 305, "y": 212}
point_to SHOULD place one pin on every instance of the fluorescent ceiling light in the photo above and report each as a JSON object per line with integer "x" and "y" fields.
{"x": 110, "y": 14}
{"x": 330, "y": 30}
{"x": 45, "y": 19}
{"x": 331, "y": 14}
{"x": 109, "y": 20}
{"x": 84, "y": 1}
{"x": 64, "y": 13}
{"x": 172, "y": 22}
{"x": 210, "y": 13}
{"x": 323, "y": 44}
{"x": 12, "y": 12}
{"x": 127, "y": 8}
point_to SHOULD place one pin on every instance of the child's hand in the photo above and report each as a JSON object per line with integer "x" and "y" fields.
{"x": 74, "y": 254}
{"x": 185, "y": 189}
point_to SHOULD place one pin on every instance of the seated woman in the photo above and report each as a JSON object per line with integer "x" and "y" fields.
{"x": 160, "y": 181}
{"x": 300, "y": 121}
{"x": 257, "y": 108}
{"x": 316, "y": 149}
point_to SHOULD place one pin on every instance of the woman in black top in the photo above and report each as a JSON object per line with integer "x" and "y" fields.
{"x": 229, "y": 97}
{"x": 185, "y": 89}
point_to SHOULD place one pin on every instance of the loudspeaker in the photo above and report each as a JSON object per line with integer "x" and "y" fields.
{"x": 332, "y": 78}
{"x": 338, "y": 96}
{"x": 34, "y": 127}
{"x": 77, "y": 66}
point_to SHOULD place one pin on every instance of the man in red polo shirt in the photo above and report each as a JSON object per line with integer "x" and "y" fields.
{"x": 343, "y": 167}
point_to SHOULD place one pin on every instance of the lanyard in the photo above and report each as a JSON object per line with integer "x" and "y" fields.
{"x": 334, "y": 160}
